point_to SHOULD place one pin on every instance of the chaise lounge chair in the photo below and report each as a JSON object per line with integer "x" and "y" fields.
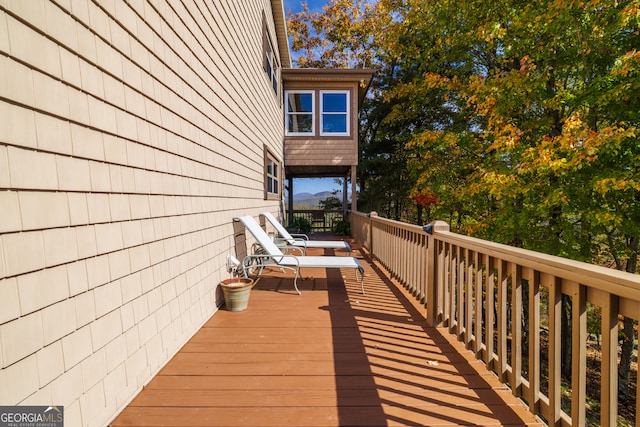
{"x": 271, "y": 255}
{"x": 304, "y": 242}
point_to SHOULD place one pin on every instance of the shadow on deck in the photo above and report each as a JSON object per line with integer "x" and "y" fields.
{"x": 330, "y": 357}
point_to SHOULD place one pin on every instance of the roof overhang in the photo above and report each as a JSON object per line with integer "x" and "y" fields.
{"x": 280, "y": 21}
{"x": 361, "y": 76}
{"x": 317, "y": 171}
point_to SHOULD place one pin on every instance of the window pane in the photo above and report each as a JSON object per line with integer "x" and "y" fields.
{"x": 300, "y": 102}
{"x": 275, "y": 186}
{"x": 269, "y": 185}
{"x": 334, "y": 123}
{"x": 334, "y": 102}
{"x": 269, "y": 69}
{"x": 300, "y": 123}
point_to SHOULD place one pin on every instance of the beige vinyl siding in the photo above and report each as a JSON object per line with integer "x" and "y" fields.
{"x": 130, "y": 135}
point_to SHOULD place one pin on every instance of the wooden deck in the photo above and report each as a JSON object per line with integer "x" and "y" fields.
{"x": 330, "y": 357}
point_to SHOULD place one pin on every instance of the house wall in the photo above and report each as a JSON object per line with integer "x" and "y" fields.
{"x": 130, "y": 135}
{"x": 321, "y": 150}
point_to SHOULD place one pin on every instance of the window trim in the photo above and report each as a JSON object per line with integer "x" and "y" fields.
{"x": 347, "y": 113}
{"x": 288, "y": 113}
{"x": 269, "y": 157}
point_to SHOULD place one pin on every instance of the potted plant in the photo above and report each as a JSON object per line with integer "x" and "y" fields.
{"x": 299, "y": 225}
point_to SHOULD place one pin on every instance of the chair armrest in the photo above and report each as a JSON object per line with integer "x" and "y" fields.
{"x": 286, "y": 248}
{"x": 261, "y": 258}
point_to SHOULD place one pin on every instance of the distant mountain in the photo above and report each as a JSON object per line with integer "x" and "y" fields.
{"x": 311, "y": 201}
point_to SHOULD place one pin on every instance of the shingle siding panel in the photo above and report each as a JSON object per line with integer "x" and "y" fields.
{"x": 21, "y": 338}
{"x": 11, "y": 301}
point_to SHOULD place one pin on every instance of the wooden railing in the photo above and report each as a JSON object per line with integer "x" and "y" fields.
{"x": 320, "y": 220}
{"x": 506, "y": 305}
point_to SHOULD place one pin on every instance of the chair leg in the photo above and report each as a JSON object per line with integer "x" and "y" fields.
{"x": 295, "y": 281}
{"x": 361, "y": 280}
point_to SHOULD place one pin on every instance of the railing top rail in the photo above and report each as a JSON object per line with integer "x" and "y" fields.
{"x": 358, "y": 213}
{"x": 318, "y": 210}
{"x": 394, "y": 223}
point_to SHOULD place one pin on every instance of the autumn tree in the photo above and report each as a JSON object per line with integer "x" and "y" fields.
{"x": 536, "y": 145}
{"x": 341, "y": 36}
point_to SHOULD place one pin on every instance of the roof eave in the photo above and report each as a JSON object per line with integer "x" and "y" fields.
{"x": 361, "y": 75}
{"x": 280, "y": 21}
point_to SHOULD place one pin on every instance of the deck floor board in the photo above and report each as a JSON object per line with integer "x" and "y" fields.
{"x": 329, "y": 357}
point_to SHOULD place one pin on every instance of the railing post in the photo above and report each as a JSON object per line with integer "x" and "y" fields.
{"x": 371, "y": 215}
{"x": 609, "y": 364}
{"x": 434, "y": 270}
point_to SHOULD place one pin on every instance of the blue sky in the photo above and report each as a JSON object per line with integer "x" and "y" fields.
{"x": 296, "y": 5}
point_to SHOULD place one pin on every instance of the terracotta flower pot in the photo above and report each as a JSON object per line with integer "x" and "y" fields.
{"x": 236, "y": 293}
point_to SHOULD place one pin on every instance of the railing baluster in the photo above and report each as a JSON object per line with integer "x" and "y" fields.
{"x": 404, "y": 257}
{"x": 578, "y": 353}
{"x": 477, "y": 344}
{"x": 533, "y": 366}
{"x": 424, "y": 266}
{"x": 468, "y": 330}
{"x": 489, "y": 312}
{"x": 407, "y": 259}
{"x": 460, "y": 293}
{"x": 414, "y": 260}
{"x": 415, "y": 267}
{"x": 432, "y": 281}
{"x": 443, "y": 273}
{"x": 609, "y": 364}
{"x": 451, "y": 286}
{"x": 397, "y": 254}
{"x": 502, "y": 321}
{"x": 515, "y": 271}
{"x": 395, "y": 249}
{"x": 455, "y": 278}
{"x": 555, "y": 323}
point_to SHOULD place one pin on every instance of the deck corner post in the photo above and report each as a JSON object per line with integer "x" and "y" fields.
{"x": 372, "y": 214}
{"x": 435, "y": 271}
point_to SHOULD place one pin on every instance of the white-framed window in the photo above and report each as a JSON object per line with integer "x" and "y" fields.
{"x": 300, "y": 119}
{"x": 272, "y": 176}
{"x": 334, "y": 112}
{"x": 270, "y": 61}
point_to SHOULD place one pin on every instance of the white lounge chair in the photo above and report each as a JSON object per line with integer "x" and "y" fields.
{"x": 302, "y": 240}
{"x": 271, "y": 255}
